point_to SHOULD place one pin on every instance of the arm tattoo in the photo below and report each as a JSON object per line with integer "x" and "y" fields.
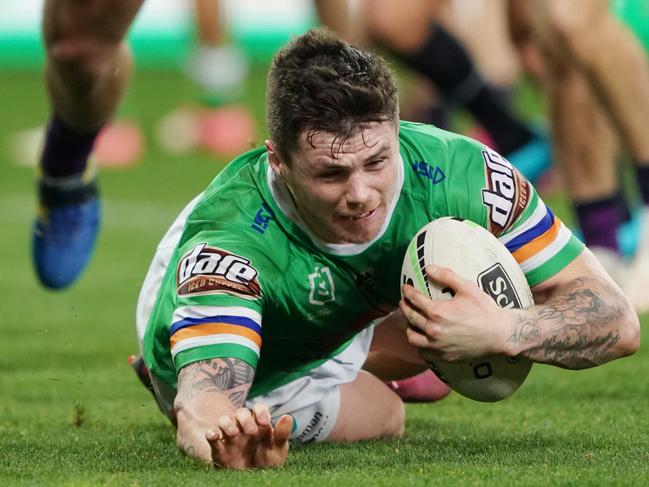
{"x": 229, "y": 376}
{"x": 574, "y": 329}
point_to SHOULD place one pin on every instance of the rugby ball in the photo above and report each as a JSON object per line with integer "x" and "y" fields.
{"x": 475, "y": 254}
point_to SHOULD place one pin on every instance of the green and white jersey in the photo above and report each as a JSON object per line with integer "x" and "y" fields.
{"x": 239, "y": 276}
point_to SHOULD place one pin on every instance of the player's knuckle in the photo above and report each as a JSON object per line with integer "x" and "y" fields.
{"x": 432, "y": 331}
{"x": 433, "y": 312}
{"x": 415, "y": 338}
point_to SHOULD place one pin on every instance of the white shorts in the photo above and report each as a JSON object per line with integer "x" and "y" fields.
{"x": 313, "y": 400}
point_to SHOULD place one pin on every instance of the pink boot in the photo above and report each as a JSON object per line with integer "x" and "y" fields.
{"x": 424, "y": 387}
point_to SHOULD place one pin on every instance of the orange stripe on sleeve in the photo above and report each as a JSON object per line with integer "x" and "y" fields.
{"x": 539, "y": 243}
{"x": 214, "y": 329}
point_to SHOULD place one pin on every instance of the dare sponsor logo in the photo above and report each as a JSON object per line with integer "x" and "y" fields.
{"x": 210, "y": 270}
{"x": 506, "y": 194}
{"x": 497, "y": 284}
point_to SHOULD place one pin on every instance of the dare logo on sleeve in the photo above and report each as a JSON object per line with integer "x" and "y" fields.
{"x": 506, "y": 194}
{"x": 210, "y": 270}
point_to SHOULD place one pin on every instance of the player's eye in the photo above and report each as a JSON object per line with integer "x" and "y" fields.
{"x": 331, "y": 175}
{"x": 374, "y": 163}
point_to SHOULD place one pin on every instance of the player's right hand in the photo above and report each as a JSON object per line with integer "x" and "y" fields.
{"x": 454, "y": 330}
{"x": 247, "y": 439}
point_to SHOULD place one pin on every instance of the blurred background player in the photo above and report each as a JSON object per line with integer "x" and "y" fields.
{"x": 416, "y": 36}
{"x": 596, "y": 77}
{"x": 87, "y": 68}
{"x": 218, "y": 124}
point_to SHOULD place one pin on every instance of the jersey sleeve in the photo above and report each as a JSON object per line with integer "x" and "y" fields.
{"x": 217, "y": 305}
{"x": 485, "y": 188}
{"x": 539, "y": 241}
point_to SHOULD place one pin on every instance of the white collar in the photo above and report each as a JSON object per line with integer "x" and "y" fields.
{"x": 284, "y": 201}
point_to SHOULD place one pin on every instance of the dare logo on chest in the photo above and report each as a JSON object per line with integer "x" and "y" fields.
{"x": 210, "y": 270}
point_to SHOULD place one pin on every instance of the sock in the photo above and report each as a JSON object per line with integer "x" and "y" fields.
{"x": 66, "y": 152}
{"x": 642, "y": 174}
{"x": 599, "y": 220}
{"x": 443, "y": 60}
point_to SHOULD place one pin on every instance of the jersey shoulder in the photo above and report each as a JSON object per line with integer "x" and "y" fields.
{"x": 420, "y": 140}
{"x": 432, "y": 156}
{"x": 223, "y": 194}
{"x": 232, "y": 242}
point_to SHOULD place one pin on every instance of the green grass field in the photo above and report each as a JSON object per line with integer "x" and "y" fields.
{"x": 72, "y": 412}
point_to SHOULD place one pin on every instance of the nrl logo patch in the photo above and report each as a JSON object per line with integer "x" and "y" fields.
{"x": 506, "y": 194}
{"x": 210, "y": 270}
{"x": 322, "y": 286}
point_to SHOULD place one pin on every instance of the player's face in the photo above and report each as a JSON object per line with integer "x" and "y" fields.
{"x": 344, "y": 197}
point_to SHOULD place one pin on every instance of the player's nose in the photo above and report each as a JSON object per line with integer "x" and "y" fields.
{"x": 357, "y": 192}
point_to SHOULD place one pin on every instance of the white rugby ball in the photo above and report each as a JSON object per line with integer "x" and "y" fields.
{"x": 475, "y": 254}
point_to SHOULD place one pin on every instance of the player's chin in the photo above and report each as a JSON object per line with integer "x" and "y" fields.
{"x": 357, "y": 233}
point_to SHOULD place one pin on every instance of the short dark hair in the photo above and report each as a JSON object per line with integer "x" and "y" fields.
{"x": 320, "y": 83}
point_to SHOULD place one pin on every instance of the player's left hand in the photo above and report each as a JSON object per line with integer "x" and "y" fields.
{"x": 247, "y": 439}
{"x": 468, "y": 326}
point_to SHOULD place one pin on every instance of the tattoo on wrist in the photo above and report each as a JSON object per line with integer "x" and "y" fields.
{"x": 575, "y": 324}
{"x": 229, "y": 376}
{"x": 526, "y": 329}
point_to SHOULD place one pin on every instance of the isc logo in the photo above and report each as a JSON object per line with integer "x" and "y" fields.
{"x": 209, "y": 270}
{"x": 496, "y": 283}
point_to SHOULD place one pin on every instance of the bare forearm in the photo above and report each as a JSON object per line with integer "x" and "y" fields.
{"x": 206, "y": 390}
{"x": 587, "y": 323}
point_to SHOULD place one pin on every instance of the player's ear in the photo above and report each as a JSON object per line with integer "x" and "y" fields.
{"x": 274, "y": 159}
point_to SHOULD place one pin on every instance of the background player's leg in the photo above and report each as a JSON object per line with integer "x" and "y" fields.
{"x": 216, "y": 65}
{"x": 483, "y": 28}
{"x": 88, "y": 63}
{"x": 87, "y": 67}
{"x": 586, "y": 149}
{"x": 603, "y": 48}
{"x": 423, "y": 44}
{"x": 586, "y": 35}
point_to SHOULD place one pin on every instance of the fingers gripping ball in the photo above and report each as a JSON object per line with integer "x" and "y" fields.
{"x": 475, "y": 254}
